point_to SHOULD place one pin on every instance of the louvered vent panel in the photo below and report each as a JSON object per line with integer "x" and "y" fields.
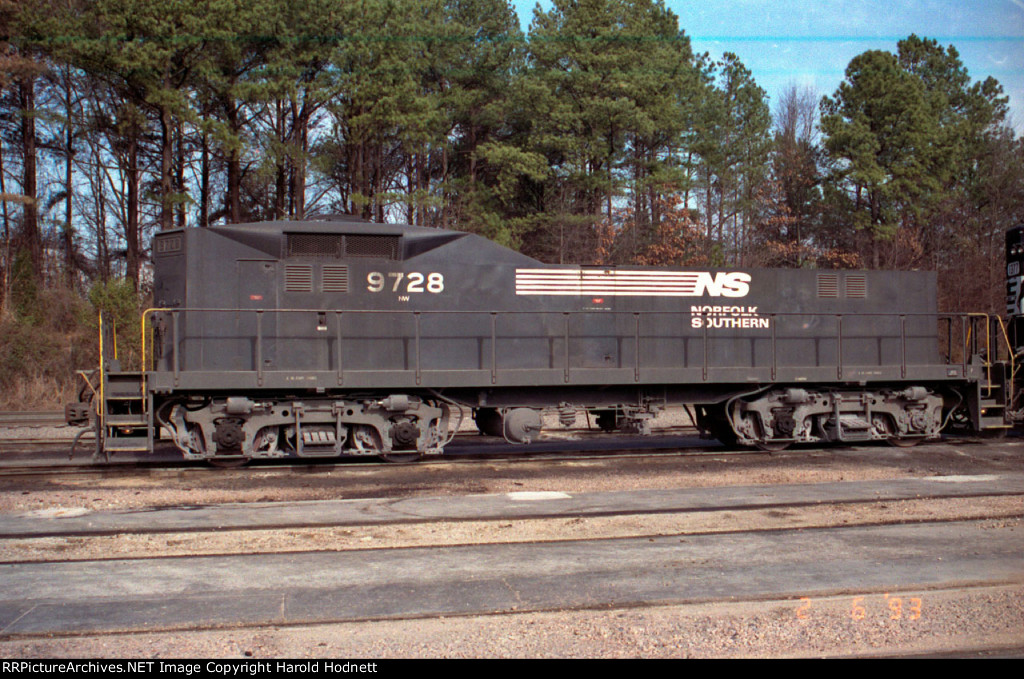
{"x": 335, "y": 279}
{"x": 298, "y": 278}
{"x": 385, "y": 247}
{"x": 828, "y": 285}
{"x": 856, "y": 285}
{"x": 314, "y": 245}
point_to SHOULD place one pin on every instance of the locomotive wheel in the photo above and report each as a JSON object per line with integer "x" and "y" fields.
{"x": 712, "y": 419}
{"x": 885, "y": 425}
{"x": 772, "y": 446}
{"x": 266, "y": 440}
{"x": 401, "y": 457}
{"x": 228, "y": 462}
{"x": 897, "y": 442}
{"x": 960, "y": 421}
{"x": 488, "y": 421}
{"x": 607, "y": 420}
{"x": 724, "y": 433}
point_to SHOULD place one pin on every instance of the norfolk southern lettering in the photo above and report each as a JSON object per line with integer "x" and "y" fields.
{"x": 727, "y": 317}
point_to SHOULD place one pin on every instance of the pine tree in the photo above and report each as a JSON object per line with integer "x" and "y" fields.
{"x": 608, "y": 88}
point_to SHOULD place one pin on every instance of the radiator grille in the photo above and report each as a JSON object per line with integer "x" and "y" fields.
{"x": 385, "y": 247}
{"x": 856, "y": 286}
{"x": 828, "y": 285}
{"x": 335, "y": 246}
{"x": 335, "y": 278}
{"x": 314, "y": 245}
{"x": 298, "y": 278}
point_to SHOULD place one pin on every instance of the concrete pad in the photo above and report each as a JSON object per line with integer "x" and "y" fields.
{"x": 77, "y": 521}
{"x": 85, "y": 597}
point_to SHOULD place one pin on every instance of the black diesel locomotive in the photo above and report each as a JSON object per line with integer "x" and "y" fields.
{"x": 341, "y": 337}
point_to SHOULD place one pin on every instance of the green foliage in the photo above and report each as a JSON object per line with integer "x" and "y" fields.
{"x": 733, "y": 142}
{"x": 116, "y": 299}
{"x": 880, "y": 124}
{"x": 791, "y": 200}
{"x": 25, "y": 351}
{"x": 40, "y": 352}
{"x": 121, "y": 309}
{"x": 610, "y": 92}
{"x": 25, "y": 290}
{"x": 905, "y": 133}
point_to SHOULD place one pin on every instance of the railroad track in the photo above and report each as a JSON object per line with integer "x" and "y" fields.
{"x": 20, "y": 458}
{"x": 791, "y": 501}
{"x": 906, "y": 565}
{"x": 15, "y": 418}
{"x": 19, "y": 453}
{"x": 82, "y": 466}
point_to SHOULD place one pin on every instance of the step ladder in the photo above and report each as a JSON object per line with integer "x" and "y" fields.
{"x": 124, "y": 416}
{"x": 993, "y": 395}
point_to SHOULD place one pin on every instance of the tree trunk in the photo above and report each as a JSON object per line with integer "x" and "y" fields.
{"x": 297, "y": 153}
{"x": 204, "y": 181}
{"x": 5, "y": 293}
{"x": 69, "y": 154}
{"x": 166, "y": 170}
{"x": 131, "y": 229}
{"x": 281, "y": 170}
{"x": 233, "y": 199}
{"x": 179, "y": 175}
{"x": 31, "y": 238}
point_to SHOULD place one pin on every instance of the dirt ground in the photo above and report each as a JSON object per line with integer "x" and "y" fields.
{"x": 922, "y": 622}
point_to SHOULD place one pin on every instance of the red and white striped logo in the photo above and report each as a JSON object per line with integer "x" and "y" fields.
{"x": 638, "y": 283}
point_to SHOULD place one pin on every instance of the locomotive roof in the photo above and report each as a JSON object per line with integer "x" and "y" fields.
{"x": 339, "y": 224}
{"x": 415, "y": 240}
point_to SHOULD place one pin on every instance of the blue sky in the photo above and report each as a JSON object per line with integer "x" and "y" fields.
{"x": 810, "y": 42}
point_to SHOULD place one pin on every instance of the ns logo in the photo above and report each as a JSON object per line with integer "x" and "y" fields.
{"x": 722, "y": 284}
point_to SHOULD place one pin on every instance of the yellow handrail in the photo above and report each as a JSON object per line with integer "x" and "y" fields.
{"x": 988, "y": 339}
{"x": 144, "y": 366}
{"x": 101, "y": 406}
{"x": 142, "y": 326}
{"x": 992, "y": 352}
{"x": 1013, "y": 363}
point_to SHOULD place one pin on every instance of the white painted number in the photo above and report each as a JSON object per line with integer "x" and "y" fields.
{"x": 375, "y": 281}
{"x": 414, "y": 282}
{"x": 435, "y": 282}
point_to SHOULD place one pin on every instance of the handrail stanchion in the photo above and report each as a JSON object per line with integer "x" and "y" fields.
{"x": 494, "y": 347}
{"x": 963, "y": 328}
{"x": 416, "y": 324}
{"x": 259, "y": 347}
{"x": 839, "y": 347}
{"x": 903, "y": 346}
{"x": 636, "y": 347}
{"x": 566, "y": 314}
{"x": 704, "y": 344}
{"x": 949, "y": 340}
{"x": 175, "y": 341}
{"x": 341, "y": 373}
